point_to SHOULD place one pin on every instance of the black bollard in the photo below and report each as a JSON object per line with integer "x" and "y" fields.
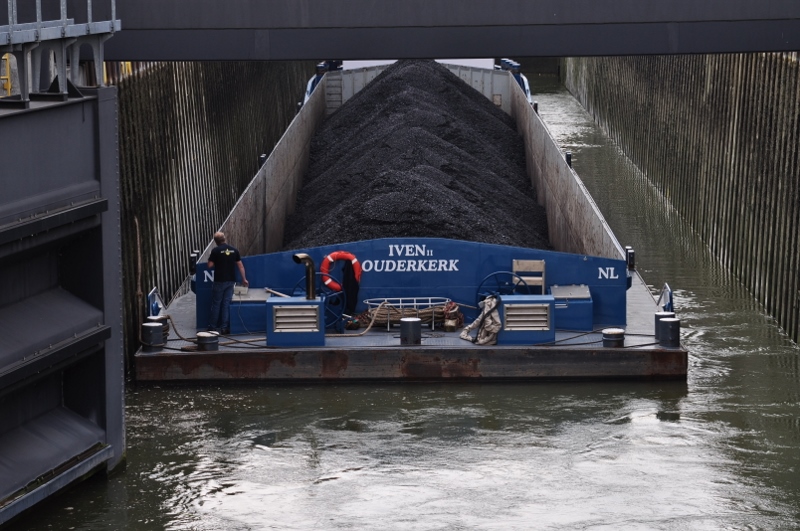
{"x": 152, "y": 336}
{"x": 659, "y": 316}
{"x": 630, "y": 257}
{"x": 207, "y": 341}
{"x": 410, "y": 331}
{"x": 614, "y": 337}
{"x": 669, "y": 332}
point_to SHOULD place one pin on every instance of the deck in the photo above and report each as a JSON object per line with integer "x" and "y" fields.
{"x": 378, "y": 354}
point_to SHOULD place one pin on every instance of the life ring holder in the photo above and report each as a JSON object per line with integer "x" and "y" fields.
{"x": 327, "y": 264}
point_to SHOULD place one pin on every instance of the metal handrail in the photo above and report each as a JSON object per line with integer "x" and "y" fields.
{"x": 666, "y": 295}
{"x": 29, "y": 40}
{"x": 90, "y": 27}
{"x": 408, "y": 302}
{"x": 402, "y": 304}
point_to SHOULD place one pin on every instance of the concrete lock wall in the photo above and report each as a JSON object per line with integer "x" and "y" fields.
{"x": 190, "y": 137}
{"x": 718, "y": 136}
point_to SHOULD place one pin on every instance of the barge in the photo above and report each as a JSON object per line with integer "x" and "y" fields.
{"x": 578, "y": 312}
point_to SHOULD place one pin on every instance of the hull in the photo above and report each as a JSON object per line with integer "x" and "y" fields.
{"x": 354, "y": 363}
{"x": 380, "y": 355}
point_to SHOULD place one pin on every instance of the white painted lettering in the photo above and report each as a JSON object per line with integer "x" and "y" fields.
{"x": 422, "y": 265}
{"x": 208, "y": 276}
{"x": 607, "y": 273}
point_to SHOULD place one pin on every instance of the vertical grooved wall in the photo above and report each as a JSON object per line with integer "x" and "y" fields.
{"x": 718, "y": 135}
{"x": 190, "y": 136}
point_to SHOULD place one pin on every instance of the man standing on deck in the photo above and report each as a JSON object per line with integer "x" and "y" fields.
{"x": 224, "y": 260}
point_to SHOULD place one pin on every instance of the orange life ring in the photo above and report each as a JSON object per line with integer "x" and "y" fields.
{"x": 327, "y": 264}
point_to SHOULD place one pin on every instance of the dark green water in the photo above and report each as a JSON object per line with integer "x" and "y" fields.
{"x": 720, "y": 451}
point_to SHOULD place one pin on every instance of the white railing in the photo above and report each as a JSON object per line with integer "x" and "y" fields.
{"x": 390, "y": 310}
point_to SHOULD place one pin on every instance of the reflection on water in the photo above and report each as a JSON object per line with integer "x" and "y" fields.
{"x": 718, "y": 451}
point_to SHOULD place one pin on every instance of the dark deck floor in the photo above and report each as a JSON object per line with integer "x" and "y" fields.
{"x": 379, "y": 355}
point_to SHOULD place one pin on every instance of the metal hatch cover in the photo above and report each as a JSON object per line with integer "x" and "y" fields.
{"x": 572, "y": 291}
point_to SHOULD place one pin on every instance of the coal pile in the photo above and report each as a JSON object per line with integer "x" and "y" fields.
{"x": 417, "y": 153}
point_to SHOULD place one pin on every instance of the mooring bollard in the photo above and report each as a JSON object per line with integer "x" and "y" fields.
{"x": 163, "y": 321}
{"x": 630, "y": 257}
{"x": 410, "y": 331}
{"x": 613, "y": 337}
{"x": 669, "y": 332}
{"x": 207, "y": 341}
{"x": 152, "y": 336}
{"x": 659, "y": 316}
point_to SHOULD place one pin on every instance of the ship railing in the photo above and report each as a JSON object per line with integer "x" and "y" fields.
{"x": 392, "y": 309}
{"x": 666, "y": 297}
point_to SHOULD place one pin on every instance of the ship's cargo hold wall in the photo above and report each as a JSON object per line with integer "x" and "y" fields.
{"x": 575, "y": 223}
{"x": 718, "y": 135}
{"x": 190, "y": 137}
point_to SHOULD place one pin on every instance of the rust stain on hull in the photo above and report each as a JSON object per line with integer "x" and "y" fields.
{"x": 670, "y": 362}
{"x": 334, "y": 364}
{"x": 417, "y": 366}
{"x": 213, "y": 366}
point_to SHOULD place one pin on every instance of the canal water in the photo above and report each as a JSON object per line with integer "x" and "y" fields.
{"x": 719, "y": 451}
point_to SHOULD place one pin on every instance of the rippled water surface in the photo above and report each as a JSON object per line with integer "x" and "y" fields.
{"x": 719, "y": 451}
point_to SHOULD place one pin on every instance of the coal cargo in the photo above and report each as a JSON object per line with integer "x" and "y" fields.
{"x": 417, "y": 153}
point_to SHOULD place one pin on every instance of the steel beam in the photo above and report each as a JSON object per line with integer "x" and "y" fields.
{"x": 369, "y": 29}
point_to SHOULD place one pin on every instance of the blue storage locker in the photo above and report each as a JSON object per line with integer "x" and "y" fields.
{"x": 573, "y": 307}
